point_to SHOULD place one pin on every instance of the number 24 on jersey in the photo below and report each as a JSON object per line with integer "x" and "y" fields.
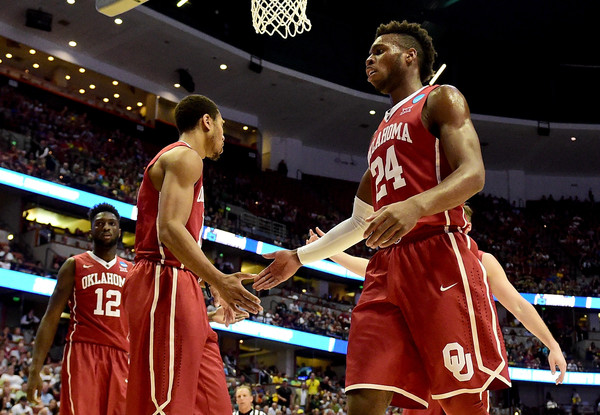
{"x": 389, "y": 169}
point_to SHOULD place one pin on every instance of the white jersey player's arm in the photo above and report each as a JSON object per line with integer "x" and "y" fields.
{"x": 341, "y": 237}
{"x": 355, "y": 264}
{"x": 510, "y": 298}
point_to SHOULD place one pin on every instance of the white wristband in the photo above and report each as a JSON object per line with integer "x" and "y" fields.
{"x": 341, "y": 237}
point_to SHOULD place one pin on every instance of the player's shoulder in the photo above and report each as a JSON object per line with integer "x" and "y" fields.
{"x": 446, "y": 104}
{"x": 183, "y": 159}
{"x": 445, "y": 93}
{"x": 73, "y": 260}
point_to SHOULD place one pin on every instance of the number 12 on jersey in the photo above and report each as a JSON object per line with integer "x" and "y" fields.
{"x": 111, "y": 307}
{"x": 388, "y": 169}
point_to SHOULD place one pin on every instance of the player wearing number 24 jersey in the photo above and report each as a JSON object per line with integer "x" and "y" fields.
{"x": 426, "y": 324}
{"x": 95, "y": 359}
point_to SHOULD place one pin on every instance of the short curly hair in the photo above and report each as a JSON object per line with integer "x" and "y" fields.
{"x": 191, "y": 109}
{"x": 102, "y": 207}
{"x": 412, "y": 35}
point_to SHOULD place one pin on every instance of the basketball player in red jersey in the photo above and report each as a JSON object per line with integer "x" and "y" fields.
{"x": 176, "y": 367}
{"x": 95, "y": 360}
{"x": 504, "y": 291}
{"x": 424, "y": 163}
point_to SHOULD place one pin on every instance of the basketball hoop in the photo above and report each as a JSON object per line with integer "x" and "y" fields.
{"x": 286, "y": 17}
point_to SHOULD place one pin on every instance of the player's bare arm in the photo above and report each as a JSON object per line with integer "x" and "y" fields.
{"x": 447, "y": 116}
{"x": 510, "y": 298}
{"x": 341, "y": 237}
{"x": 48, "y": 325}
{"x": 180, "y": 169}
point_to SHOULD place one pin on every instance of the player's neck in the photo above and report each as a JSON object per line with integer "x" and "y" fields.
{"x": 404, "y": 89}
{"x": 106, "y": 253}
{"x": 195, "y": 140}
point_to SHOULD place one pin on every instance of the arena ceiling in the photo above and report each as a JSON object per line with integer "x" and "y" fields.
{"x": 518, "y": 63}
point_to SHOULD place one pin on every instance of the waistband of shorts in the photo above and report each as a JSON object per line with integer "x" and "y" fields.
{"x": 428, "y": 232}
{"x": 169, "y": 263}
{"x": 173, "y": 263}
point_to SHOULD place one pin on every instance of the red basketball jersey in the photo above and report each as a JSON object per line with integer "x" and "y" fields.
{"x": 405, "y": 159}
{"x": 97, "y": 315}
{"x": 147, "y": 243}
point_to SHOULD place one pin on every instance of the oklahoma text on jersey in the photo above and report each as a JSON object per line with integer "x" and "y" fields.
{"x": 397, "y": 131}
{"x": 106, "y": 278}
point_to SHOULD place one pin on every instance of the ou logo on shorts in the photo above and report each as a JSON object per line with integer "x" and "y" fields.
{"x": 455, "y": 361}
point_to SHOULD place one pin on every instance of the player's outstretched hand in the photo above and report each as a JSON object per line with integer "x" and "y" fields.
{"x": 314, "y": 235}
{"x": 220, "y": 315}
{"x": 390, "y": 223}
{"x": 556, "y": 359}
{"x": 228, "y": 314}
{"x": 285, "y": 264}
{"x": 232, "y": 294}
{"x": 34, "y": 384}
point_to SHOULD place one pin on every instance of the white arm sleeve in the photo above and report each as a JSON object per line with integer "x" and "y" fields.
{"x": 341, "y": 237}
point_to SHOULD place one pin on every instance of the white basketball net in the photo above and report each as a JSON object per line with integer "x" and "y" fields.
{"x": 286, "y": 17}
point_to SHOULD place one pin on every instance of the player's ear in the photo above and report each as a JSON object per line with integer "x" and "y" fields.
{"x": 206, "y": 121}
{"x": 411, "y": 55}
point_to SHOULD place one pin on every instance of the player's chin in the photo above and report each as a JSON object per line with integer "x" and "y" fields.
{"x": 216, "y": 156}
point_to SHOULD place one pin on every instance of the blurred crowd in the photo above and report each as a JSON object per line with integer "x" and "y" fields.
{"x": 550, "y": 245}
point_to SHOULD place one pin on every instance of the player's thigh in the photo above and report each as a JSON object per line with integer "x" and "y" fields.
{"x": 382, "y": 355}
{"x": 452, "y": 316}
{"x": 80, "y": 371}
{"x": 368, "y": 401}
{"x": 212, "y": 395}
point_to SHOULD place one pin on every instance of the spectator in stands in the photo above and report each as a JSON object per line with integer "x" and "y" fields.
{"x": 22, "y": 407}
{"x": 6, "y": 257}
{"x": 12, "y": 379}
{"x": 575, "y": 402}
{"x": 46, "y": 395}
{"x": 29, "y": 323}
{"x": 284, "y": 394}
{"x": 301, "y": 398}
{"x": 313, "y": 389}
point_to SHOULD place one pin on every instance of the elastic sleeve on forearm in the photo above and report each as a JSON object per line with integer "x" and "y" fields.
{"x": 341, "y": 237}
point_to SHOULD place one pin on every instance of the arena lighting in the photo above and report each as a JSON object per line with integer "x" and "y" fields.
{"x": 112, "y": 8}
{"x": 61, "y": 192}
{"x": 181, "y": 3}
{"x": 285, "y": 335}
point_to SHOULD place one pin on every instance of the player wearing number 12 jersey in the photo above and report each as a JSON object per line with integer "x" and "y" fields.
{"x": 95, "y": 359}
{"x": 426, "y": 323}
